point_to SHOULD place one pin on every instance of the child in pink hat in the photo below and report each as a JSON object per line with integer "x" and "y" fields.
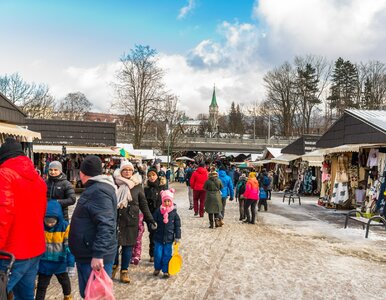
{"x": 168, "y": 231}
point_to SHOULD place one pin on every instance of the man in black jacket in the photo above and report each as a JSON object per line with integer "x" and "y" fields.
{"x": 92, "y": 237}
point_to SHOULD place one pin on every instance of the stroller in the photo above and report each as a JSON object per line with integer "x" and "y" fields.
{"x": 4, "y": 274}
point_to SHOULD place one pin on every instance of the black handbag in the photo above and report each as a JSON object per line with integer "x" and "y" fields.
{"x": 5, "y": 273}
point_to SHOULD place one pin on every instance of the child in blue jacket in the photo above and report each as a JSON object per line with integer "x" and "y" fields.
{"x": 57, "y": 259}
{"x": 168, "y": 231}
{"x": 263, "y": 196}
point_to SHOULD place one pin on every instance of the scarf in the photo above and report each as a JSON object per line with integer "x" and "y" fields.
{"x": 165, "y": 212}
{"x": 124, "y": 187}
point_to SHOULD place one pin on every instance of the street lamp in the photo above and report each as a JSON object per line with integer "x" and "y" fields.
{"x": 168, "y": 131}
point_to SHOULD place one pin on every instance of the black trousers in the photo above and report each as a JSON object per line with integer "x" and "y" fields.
{"x": 44, "y": 282}
{"x": 212, "y": 216}
{"x": 263, "y": 202}
{"x": 250, "y": 204}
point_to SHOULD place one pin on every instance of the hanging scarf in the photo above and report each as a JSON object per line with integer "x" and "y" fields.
{"x": 124, "y": 187}
{"x": 165, "y": 212}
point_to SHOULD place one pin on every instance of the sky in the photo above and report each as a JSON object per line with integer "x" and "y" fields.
{"x": 76, "y": 45}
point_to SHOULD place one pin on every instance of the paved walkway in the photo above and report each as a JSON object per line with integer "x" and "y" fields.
{"x": 293, "y": 252}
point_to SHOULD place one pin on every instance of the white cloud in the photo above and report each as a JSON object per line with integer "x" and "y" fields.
{"x": 237, "y": 61}
{"x": 186, "y": 9}
{"x": 353, "y": 29}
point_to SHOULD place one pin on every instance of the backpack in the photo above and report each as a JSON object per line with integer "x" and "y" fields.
{"x": 263, "y": 194}
{"x": 241, "y": 187}
{"x": 266, "y": 181}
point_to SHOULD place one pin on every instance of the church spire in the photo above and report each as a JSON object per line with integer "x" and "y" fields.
{"x": 214, "y": 101}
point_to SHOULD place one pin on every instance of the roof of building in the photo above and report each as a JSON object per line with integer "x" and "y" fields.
{"x": 374, "y": 118}
{"x": 356, "y": 127}
{"x": 305, "y": 143}
{"x": 214, "y": 100}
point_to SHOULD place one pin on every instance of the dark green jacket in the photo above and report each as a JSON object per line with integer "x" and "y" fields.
{"x": 213, "y": 204}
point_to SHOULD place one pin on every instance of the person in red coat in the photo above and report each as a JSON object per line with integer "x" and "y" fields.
{"x": 197, "y": 182}
{"x": 22, "y": 209}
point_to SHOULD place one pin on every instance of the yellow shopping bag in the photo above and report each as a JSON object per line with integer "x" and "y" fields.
{"x": 175, "y": 262}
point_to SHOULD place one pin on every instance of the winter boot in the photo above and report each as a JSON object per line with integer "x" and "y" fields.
{"x": 68, "y": 297}
{"x": 115, "y": 270}
{"x": 211, "y": 224}
{"x": 124, "y": 276}
{"x": 217, "y": 223}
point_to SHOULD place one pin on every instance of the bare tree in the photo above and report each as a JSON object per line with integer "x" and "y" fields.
{"x": 170, "y": 132}
{"x": 74, "y": 106}
{"x": 35, "y": 100}
{"x": 42, "y": 105}
{"x": 372, "y": 78}
{"x": 139, "y": 89}
{"x": 282, "y": 100}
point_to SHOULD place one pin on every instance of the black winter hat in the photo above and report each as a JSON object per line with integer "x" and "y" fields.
{"x": 91, "y": 166}
{"x": 10, "y": 149}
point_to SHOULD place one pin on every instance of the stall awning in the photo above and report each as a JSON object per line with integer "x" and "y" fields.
{"x": 285, "y": 159}
{"x": 16, "y": 130}
{"x": 348, "y": 148}
{"x": 55, "y": 149}
{"x": 314, "y": 158}
{"x": 260, "y": 163}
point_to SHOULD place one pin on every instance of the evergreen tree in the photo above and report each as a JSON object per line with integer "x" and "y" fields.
{"x": 307, "y": 88}
{"x": 344, "y": 90}
{"x": 239, "y": 120}
{"x": 233, "y": 119}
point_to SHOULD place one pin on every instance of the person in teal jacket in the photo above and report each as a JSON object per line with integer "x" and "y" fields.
{"x": 226, "y": 191}
{"x": 57, "y": 259}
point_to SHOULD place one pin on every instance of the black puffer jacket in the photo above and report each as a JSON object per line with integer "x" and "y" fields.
{"x": 152, "y": 194}
{"x": 61, "y": 189}
{"x": 93, "y": 223}
{"x": 167, "y": 233}
{"x": 128, "y": 217}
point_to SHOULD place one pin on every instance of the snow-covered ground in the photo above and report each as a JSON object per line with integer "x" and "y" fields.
{"x": 293, "y": 252}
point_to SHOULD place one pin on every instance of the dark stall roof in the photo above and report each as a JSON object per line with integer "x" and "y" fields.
{"x": 302, "y": 145}
{"x": 9, "y": 112}
{"x": 75, "y": 133}
{"x": 356, "y": 127}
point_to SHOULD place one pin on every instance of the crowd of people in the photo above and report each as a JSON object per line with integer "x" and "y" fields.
{"x": 210, "y": 186}
{"x": 106, "y": 227}
{"x": 104, "y": 231}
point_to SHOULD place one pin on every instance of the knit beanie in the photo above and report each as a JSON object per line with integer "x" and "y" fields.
{"x": 167, "y": 195}
{"x": 252, "y": 175}
{"x": 10, "y": 149}
{"x": 91, "y": 166}
{"x": 152, "y": 171}
{"x": 126, "y": 165}
{"x": 55, "y": 165}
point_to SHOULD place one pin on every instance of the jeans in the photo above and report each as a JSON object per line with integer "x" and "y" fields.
{"x": 241, "y": 207}
{"x": 22, "y": 278}
{"x": 125, "y": 257}
{"x": 190, "y": 196}
{"x": 224, "y": 202}
{"x": 44, "y": 282}
{"x": 162, "y": 256}
{"x": 84, "y": 271}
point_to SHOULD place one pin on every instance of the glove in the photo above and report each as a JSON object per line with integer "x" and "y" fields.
{"x": 71, "y": 271}
{"x": 176, "y": 241}
{"x": 231, "y": 199}
{"x": 153, "y": 226}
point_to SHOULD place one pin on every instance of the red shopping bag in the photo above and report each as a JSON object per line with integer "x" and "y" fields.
{"x": 99, "y": 286}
